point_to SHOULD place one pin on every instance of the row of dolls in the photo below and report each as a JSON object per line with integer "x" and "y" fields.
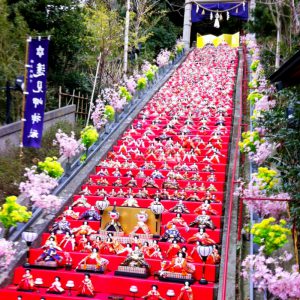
{"x": 143, "y": 193}
{"x": 86, "y": 288}
{"x": 112, "y": 246}
{"x": 157, "y": 174}
{"x": 150, "y": 165}
{"x": 168, "y": 183}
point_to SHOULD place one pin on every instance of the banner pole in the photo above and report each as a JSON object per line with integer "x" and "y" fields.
{"x": 24, "y": 97}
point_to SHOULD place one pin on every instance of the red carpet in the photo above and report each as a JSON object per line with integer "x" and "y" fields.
{"x": 184, "y": 133}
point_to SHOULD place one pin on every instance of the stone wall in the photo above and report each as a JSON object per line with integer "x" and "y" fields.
{"x": 10, "y": 134}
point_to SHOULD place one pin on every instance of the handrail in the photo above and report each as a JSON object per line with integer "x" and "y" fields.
{"x": 235, "y": 160}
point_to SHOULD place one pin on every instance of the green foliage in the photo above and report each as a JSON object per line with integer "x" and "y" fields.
{"x": 51, "y": 166}
{"x": 150, "y": 75}
{"x": 89, "y": 136}
{"x": 262, "y": 25}
{"x": 270, "y": 235}
{"x": 249, "y": 141}
{"x": 12, "y": 213}
{"x": 268, "y": 178}
{"x": 109, "y": 113}
{"x": 141, "y": 83}
{"x": 124, "y": 93}
{"x": 253, "y": 97}
{"x": 12, "y": 49}
{"x": 254, "y": 65}
{"x": 164, "y": 36}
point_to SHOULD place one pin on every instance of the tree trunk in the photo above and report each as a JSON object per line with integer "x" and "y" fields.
{"x": 295, "y": 18}
{"x": 126, "y": 38}
{"x": 278, "y": 42}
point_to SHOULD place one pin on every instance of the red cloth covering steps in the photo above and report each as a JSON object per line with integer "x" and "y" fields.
{"x": 193, "y": 108}
{"x": 110, "y": 284}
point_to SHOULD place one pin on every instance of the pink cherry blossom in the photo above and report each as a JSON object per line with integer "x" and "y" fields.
{"x": 68, "y": 145}
{"x": 130, "y": 84}
{"x": 163, "y": 58}
{"x": 98, "y": 116}
{"x": 7, "y": 253}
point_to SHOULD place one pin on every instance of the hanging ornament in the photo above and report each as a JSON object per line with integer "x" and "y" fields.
{"x": 244, "y": 5}
{"x": 228, "y": 15}
{"x": 237, "y": 10}
{"x": 221, "y": 17}
{"x": 211, "y": 16}
{"x": 197, "y": 8}
{"x": 203, "y": 12}
{"x": 217, "y": 23}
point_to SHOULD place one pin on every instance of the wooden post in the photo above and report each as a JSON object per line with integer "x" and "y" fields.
{"x": 93, "y": 92}
{"x": 59, "y": 97}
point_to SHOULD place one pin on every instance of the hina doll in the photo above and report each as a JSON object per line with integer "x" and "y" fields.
{"x": 149, "y": 183}
{"x": 153, "y": 294}
{"x": 85, "y": 192}
{"x": 202, "y": 237}
{"x": 205, "y": 207}
{"x": 94, "y": 259}
{"x": 87, "y": 248}
{"x": 178, "y": 221}
{"x": 51, "y": 242}
{"x": 194, "y": 253}
{"x": 131, "y": 183}
{"x": 126, "y": 250}
{"x": 179, "y": 265}
{"x": 136, "y": 259}
{"x": 55, "y": 287}
{"x": 203, "y": 221}
{"x": 70, "y": 213}
{"x": 86, "y": 288}
{"x": 146, "y": 249}
{"x": 113, "y": 225}
{"x": 136, "y": 242}
{"x": 50, "y": 255}
{"x": 68, "y": 242}
{"x": 193, "y": 197}
{"x": 101, "y": 193}
{"x": 216, "y": 258}
{"x": 130, "y": 202}
{"x": 97, "y": 242}
{"x": 84, "y": 229}
{"x": 81, "y": 202}
{"x": 141, "y": 227}
{"x": 82, "y": 243}
{"x": 90, "y": 215}
{"x": 171, "y": 234}
{"x": 27, "y": 282}
{"x": 179, "y": 208}
{"x": 173, "y": 250}
{"x": 211, "y": 177}
{"x": 102, "y": 182}
{"x": 61, "y": 226}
